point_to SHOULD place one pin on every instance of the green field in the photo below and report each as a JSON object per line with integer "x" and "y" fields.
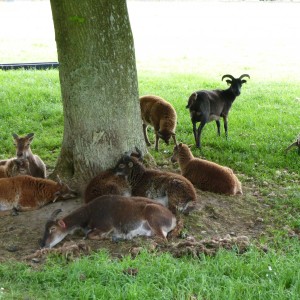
{"x": 263, "y": 121}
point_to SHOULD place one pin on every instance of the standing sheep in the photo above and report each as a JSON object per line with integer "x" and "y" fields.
{"x": 161, "y": 115}
{"x": 206, "y": 106}
{"x": 206, "y": 175}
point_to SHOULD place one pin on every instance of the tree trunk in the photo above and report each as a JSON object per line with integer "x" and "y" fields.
{"x": 99, "y": 86}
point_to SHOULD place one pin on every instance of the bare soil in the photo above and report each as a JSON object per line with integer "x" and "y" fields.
{"x": 215, "y": 216}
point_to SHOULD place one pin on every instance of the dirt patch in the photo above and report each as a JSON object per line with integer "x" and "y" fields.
{"x": 215, "y": 216}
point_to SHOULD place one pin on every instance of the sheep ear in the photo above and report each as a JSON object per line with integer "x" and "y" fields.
{"x": 61, "y": 223}
{"x": 244, "y": 81}
{"x": 228, "y": 82}
{"x": 30, "y": 136}
{"x": 15, "y": 136}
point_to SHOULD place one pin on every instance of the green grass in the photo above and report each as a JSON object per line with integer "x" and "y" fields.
{"x": 262, "y": 122}
{"x": 254, "y": 275}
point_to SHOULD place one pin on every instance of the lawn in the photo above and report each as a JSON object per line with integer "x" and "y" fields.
{"x": 240, "y": 37}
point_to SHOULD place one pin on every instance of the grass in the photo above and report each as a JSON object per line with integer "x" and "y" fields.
{"x": 226, "y": 276}
{"x": 263, "y": 121}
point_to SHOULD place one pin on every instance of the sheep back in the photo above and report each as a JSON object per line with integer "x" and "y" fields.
{"x": 106, "y": 183}
{"x": 158, "y": 113}
{"x": 207, "y": 175}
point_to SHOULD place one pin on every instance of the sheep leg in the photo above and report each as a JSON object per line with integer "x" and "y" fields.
{"x": 174, "y": 139}
{"x": 198, "y": 141}
{"x": 145, "y": 134}
{"x": 156, "y": 141}
{"x": 195, "y": 132}
{"x": 155, "y": 221}
{"x": 290, "y": 146}
{"x": 226, "y": 127}
{"x": 218, "y": 127}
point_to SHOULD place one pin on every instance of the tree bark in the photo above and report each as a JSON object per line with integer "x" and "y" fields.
{"x": 98, "y": 84}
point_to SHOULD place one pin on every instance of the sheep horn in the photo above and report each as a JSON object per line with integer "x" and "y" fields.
{"x": 139, "y": 153}
{"x": 229, "y": 76}
{"x": 54, "y": 214}
{"x": 128, "y": 153}
{"x": 244, "y": 75}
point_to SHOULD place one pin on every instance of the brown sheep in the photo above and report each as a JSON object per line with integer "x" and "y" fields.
{"x": 112, "y": 215}
{"x": 170, "y": 189}
{"x": 36, "y": 165}
{"x": 24, "y": 193}
{"x": 14, "y": 167}
{"x": 160, "y": 114}
{"x": 206, "y": 175}
{"x": 106, "y": 183}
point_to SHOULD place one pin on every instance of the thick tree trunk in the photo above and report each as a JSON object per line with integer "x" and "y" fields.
{"x": 99, "y": 86}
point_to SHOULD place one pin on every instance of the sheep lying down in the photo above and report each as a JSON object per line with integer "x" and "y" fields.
{"x": 113, "y": 216}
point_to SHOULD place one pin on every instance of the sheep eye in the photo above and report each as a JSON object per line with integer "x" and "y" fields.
{"x": 52, "y": 229}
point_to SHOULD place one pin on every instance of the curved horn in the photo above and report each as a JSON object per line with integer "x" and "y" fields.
{"x": 54, "y": 214}
{"x": 229, "y": 76}
{"x": 244, "y": 75}
{"x": 128, "y": 153}
{"x": 139, "y": 153}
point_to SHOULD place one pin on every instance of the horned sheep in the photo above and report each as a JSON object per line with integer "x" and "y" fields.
{"x": 170, "y": 189}
{"x": 206, "y": 175}
{"x": 208, "y": 105}
{"x": 112, "y": 215}
{"x": 157, "y": 112}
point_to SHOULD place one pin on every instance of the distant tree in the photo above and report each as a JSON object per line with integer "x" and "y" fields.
{"x": 98, "y": 84}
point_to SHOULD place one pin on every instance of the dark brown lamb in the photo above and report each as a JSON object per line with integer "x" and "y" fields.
{"x": 106, "y": 183}
{"x": 170, "y": 189}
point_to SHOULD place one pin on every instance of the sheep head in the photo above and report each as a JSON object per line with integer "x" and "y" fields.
{"x": 165, "y": 135}
{"x": 235, "y": 83}
{"x": 54, "y": 231}
{"x": 124, "y": 165}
